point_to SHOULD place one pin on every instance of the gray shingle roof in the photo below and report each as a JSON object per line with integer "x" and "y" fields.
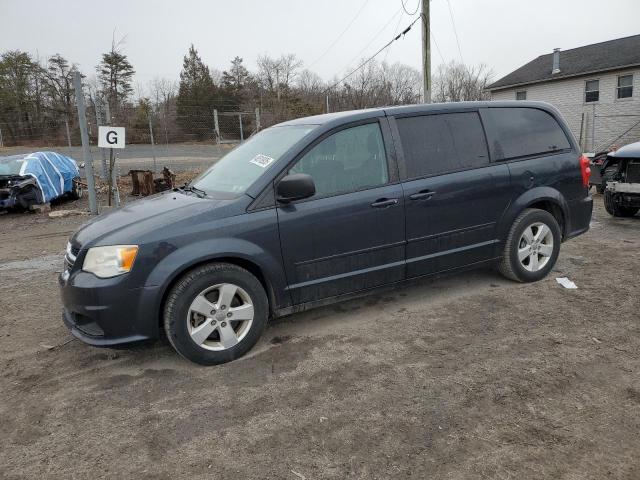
{"x": 597, "y": 57}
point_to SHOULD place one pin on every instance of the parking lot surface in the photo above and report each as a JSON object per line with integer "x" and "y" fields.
{"x": 469, "y": 376}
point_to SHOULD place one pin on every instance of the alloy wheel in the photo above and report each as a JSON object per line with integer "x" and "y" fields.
{"x": 535, "y": 247}
{"x": 220, "y": 316}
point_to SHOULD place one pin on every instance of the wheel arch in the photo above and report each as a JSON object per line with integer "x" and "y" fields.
{"x": 543, "y": 198}
{"x": 264, "y": 265}
{"x": 240, "y": 261}
{"x": 555, "y": 209}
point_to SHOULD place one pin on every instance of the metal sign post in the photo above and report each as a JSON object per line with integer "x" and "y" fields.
{"x": 153, "y": 147}
{"x": 101, "y": 121}
{"x": 112, "y": 137}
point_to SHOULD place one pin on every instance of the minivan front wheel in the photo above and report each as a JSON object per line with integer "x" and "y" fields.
{"x": 215, "y": 313}
{"x": 532, "y": 247}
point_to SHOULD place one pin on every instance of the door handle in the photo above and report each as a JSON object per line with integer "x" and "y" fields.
{"x": 422, "y": 195}
{"x": 385, "y": 202}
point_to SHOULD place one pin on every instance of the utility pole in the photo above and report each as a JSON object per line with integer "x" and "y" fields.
{"x": 426, "y": 51}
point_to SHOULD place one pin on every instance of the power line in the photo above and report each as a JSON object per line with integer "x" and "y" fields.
{"x": 455, "y": 31}
{"x": 397, "y": 37}
{"x": 407, "y": 12}
{"x": 395, "y": 31}
{"x": 433, "y": 37}
{"x": 364, "y": 4}
{"x": 374, "y": 38}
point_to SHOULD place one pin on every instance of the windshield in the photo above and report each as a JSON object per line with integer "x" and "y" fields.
{"x": 242, "y": 166}
{"x": 11, "y": 165}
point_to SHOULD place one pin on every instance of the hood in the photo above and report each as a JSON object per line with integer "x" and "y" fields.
{"x": 628, "y": 151}
{"x": 146, "y": 219}
{"x": 10, "y": 181}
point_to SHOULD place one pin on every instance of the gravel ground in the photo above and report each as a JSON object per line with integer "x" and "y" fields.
{"x": 470, "y": 376}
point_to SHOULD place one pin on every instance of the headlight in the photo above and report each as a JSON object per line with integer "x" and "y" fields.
{"x": 111, "y": 261}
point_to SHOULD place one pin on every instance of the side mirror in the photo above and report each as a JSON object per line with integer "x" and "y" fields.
{"x": 295, "y": 186}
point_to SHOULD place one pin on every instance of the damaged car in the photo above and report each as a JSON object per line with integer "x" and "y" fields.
{"x": 621, "y": 181}
{"x": 36, "y": 178}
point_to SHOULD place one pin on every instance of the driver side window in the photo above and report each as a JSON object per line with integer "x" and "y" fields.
{"x": 349, "y": 160}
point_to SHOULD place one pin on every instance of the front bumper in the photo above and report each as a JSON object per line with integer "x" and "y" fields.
{"x": 619, "y": 187}
{"x": 105, "y": 312}
{"x": 7, "y": 200}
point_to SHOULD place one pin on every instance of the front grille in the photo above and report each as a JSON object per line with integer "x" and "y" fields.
{"x": 633, "y": 171}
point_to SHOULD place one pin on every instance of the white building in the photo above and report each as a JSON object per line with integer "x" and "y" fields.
{"x": 595, "y": 87}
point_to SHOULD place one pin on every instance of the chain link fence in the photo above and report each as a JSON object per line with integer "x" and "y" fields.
{"x": 194, "y": 137}
{"x": 179, "y": 137}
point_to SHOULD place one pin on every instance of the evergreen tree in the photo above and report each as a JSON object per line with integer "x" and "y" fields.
{"x": 196, "y": 96}
{"x": 115, "y": 75}
{"x": 19, "y": 94}
{"x": 234, "y": 81}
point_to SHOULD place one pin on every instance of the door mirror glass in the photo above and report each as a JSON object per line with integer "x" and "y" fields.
{"x": 295, "y": 186}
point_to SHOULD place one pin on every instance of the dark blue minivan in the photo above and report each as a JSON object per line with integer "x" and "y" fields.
{"x": 324, "y": 208}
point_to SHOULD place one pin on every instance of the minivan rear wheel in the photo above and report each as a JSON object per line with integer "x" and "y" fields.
{"x": 215, "y": 313}
{"x": 532, "y": 246}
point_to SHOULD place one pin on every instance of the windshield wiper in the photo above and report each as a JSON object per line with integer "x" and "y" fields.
{"x": 190, "y": 188}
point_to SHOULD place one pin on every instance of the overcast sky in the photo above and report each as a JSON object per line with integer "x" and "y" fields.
{"x": 502, "y": 34}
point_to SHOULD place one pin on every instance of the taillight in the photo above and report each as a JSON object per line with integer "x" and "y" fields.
{"x": 585, "y": 169}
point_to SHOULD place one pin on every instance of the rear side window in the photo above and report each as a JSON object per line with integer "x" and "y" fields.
{"x": 521, "y": 132}
{"x": 435, "y": 144}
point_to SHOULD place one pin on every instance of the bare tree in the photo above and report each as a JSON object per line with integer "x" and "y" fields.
{"x": 277, "y": 75}
{"x": 59, "y": 83}
{"x": 378, "y": 84}
{"x": 162, "y": 90}
{"x": 456, "y": 82}
{"x": 401, "y": 84}
{"x": 310, "y": 86}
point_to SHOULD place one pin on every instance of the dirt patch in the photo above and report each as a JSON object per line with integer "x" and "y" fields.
{"x": 464, "y": 377}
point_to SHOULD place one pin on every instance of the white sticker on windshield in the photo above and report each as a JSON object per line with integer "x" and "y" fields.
{"x": 262, "y": 160}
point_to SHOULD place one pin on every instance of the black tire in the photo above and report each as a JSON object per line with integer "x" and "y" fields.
{"x": 76, "y": 190}
{"x": 510, "y": 266}
{"x": 28, "y": 197}
{"x": 613, "y": 208}
{"x": 178, "y": 302}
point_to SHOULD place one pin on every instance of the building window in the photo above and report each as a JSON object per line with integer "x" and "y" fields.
{"x": 521, "y": 95}
{"x": 592, "y": 91}
{"x": 625, "y": 86}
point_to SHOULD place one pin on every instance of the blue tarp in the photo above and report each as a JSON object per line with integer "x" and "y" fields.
{"x": 53, "y": 172}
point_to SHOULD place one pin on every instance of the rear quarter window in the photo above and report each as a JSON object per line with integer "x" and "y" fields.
{"x": 522, "y": 132}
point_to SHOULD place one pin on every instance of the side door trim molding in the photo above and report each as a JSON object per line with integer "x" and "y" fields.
{"x": 453, "y": 250}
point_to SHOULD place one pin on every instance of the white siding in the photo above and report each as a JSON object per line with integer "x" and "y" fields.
{"x": 612, "y": 116}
